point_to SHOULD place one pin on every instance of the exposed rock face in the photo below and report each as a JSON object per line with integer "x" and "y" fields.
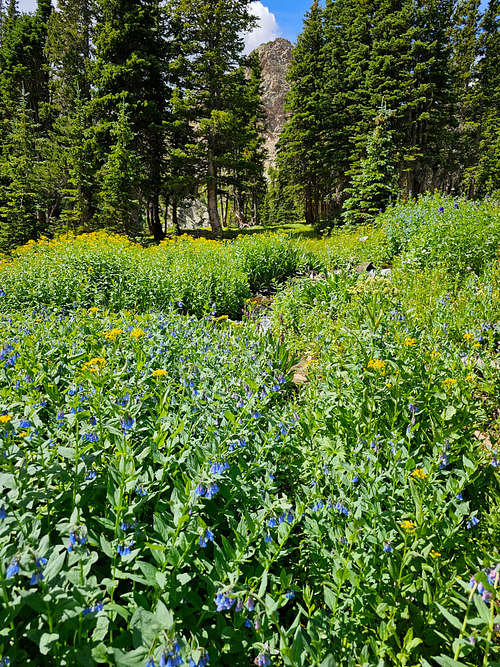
{"x": 275, "y": 58}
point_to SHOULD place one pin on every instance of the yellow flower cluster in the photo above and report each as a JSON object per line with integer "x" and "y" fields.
{"x": 419, "y": 473}
{"x": 94, "y": 365}
{"x": 435, "y": 554}
{"x": 112, "y": 334}
{"x": 468, "y": 337}
{"x": 93, "y": 310}
{"x": 159, "y": 372}
{"x": 221, "y": 318}
{"x": 449, "y": 382}
{"x": 410, "y": 342}
{"x": 137, "y": 333}
{"x": 4, "y": 419}
{"x": 408, "y": 527}
{"x": 376, "y": 365}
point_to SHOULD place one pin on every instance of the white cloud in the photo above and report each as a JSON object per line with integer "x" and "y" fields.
{"x": 266, "y": 28}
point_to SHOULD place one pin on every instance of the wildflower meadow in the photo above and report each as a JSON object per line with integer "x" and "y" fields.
{"x": 170, "y": 495}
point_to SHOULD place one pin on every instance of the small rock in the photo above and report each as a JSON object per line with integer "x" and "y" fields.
{"x": 365, "y": 267}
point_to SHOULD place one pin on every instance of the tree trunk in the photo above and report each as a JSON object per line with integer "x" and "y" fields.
{"x": 213, "y": 211}
{"x": 154, "y": 218}
{"x": 175, "y": 217}
{"x": 239, "y": 209}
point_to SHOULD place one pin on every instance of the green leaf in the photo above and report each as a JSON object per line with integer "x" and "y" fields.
{"x": 47, "y": 640}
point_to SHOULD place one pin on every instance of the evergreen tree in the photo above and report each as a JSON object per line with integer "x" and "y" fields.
{"x": 488, "y": 168}
{"x": 375, "y": 184}
{"x": 23, "y": 64}
{"x": 243, "y": 173}
{"x": 20, "y": 209}
{"x": 465, "y": 56}
{"x": 69, "y": 51}
{"x": 74, "y": 137}
{"x": 212, "y": 49}
{"x": 130, "y": 65}
{"x": 119, "y": 204}
{"x": 301, "y": 149}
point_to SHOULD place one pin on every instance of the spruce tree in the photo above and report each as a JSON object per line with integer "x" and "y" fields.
{"x": 301, "y": 145}
{"x": 130, "y": 65}
{"x": 375, "y": 184}
{"x": 118, "y": 197}
{"x": 465, "y": 45}
{"x": 212, "y": 48}
{"x": 488, "y": 168}
{"x": 23, "y": 64}
{"x": 20, "y": 209}
{"x": 69, "y": 51}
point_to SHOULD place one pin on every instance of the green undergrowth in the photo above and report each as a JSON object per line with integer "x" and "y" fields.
{"x": 167, "y": 493}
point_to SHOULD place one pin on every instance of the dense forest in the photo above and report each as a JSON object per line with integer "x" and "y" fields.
{"x": 391, "y": 98}
{"x": 116, "y": 113}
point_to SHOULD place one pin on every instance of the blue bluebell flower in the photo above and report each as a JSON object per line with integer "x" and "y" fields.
{"x": 218, "y": 467}
{"x": 3, "y": 513}
{"x": 387, "y": 548}
{"x": 290, "y": 594}
{"x": 272, "y": 523}
{"x": 141, "y": 491}
{"x": 127, "y": 424}
{"x": 211, "y": 491}
{"x": 262, "y": 660}
{"x": 13, "y": 568}
{"x": 90, "y": 437}
{"x": 36, "y": 578}
{"x": 318, "y": 506}
{"x": 25, "y": 423}
{"x": 268, "y": 539}
{"x": 460, "y": 496}
{"x": 473, "y": 522}
{"x": 224, "y": 601}
{"x": 91, "y": 474}
{"x": 441, "y": 209}
{"x": 248, "y": 623}
{"x": 207, "y": 537}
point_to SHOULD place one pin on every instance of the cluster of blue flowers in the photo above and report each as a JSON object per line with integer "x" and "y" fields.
{"x": 125, "y": 549}
{"x": 75, "y": 537}
{"x": 207, "y": 537}
{"x": 95, "y": 609}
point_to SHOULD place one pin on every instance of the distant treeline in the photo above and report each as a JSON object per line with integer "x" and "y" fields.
{"x": 114, "y": 113}
{"x": 389, "y": 98}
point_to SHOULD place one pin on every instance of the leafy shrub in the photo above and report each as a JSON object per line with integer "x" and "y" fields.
{"x": 434, "y": 230}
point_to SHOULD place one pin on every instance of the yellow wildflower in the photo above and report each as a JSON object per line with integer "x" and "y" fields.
{"x": 468, "y": 337}
{"x": 23, "y": 434}
{"x": 477, "y": 344}
{"x": 435, "y": 354}
{"x": 419, "y": 473}
{"x": 94, "y": 365}
{"x": 93, "y": 310}
{"x": 376, "y": 364}
{"x": 4, "y": 419}
{"x": 470, "y": 378}
{"x": 221, "y": 318}
{"x": 388, "y": 385}
{"x": 408, "y": 527}
{"x": 410, "y": 342}
{"x": 435, "y": 554}
{"x": 137, "y": 333}
{"x": 449, "y": 382}
{"x": 159, "y": 372}
{"x": 112, "y": 334}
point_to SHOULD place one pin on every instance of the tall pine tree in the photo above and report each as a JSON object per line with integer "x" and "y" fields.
{"x": 212, "y": 50}
{"x": 488, "y": 169}
{"x": 301, "y": 145}
{"x": 130, "y": 65}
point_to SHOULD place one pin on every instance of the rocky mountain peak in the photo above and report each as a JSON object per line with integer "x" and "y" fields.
{"x": 275, "y": 58}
